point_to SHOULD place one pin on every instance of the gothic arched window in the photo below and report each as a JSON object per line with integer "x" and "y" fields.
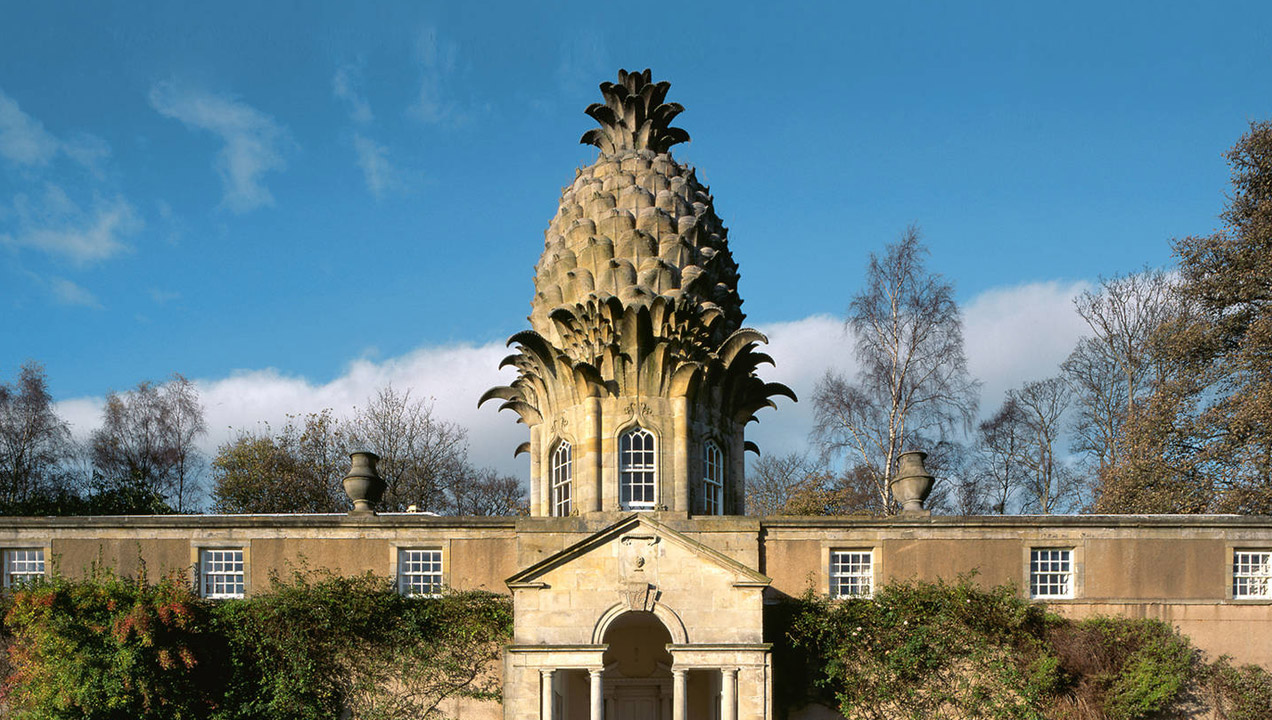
{"x": 562, "y": 474}
{"x": 637, "y": 471}
{"x": 712, "y": 479}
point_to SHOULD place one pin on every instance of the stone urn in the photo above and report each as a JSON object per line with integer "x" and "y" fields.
{"x": 363, "y": 484}
{"x": 911, "y": 483}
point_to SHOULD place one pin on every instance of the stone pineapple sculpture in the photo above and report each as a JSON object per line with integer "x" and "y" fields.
{"x": 636, "y": 291}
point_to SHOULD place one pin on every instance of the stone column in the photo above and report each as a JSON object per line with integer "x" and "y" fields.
{"x": 537, "y": 508}
{"x": 545, "y": 707}
{"x": 596, "y": 473}
{"x": 679, "y": 698}
{"x": 735, "y": 485}
{"x": 681, "y": 474}
{"x": 598, "y": 694}
{"x": 729, "y": 694}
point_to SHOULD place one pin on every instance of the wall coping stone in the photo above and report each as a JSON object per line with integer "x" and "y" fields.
{"x": 1012, "y": 521}
{"x": 599, "y": 521}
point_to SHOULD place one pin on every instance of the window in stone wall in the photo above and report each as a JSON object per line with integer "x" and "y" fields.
{"x": 22, "y": 565}
{"x": 1051, "y": 573}
{"x": 1252, "y": 574}
{"x": 562, "y": 474}
{"x": 851, "y": 573}
{"x": 420, "y": 572}
{"x": 637, "y": 470}
{"x": 221, "y": 573}
{"x": 712, "y": 479}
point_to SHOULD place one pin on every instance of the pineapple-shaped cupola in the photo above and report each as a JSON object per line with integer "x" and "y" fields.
{"x": 634, "y": 116}
{"x": 637, "y": 378}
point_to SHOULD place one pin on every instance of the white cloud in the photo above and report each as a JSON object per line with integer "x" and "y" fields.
{"x": 163, "y": 297}
{"x": 23, "y": 140}
{"x": 1020, "y": 333}
{"x": 373, "y": 158}
{"x": 68, "y": 293}
{"x": 453, "y": 376}
{"x": 437, "y": 59}
{"x": 802, "y": 352}
{"x": 1013, "y": 334}
{"x": 89, "y": 151}
{"x": 344, "y": 86}
{"x": 253, "y": 141}
{"x": 55, "y": 224}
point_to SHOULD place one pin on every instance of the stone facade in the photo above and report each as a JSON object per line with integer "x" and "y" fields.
{"x": 637, "y": 377}
{"x": 656, "y": 615}
{"x": 638, "y": 584}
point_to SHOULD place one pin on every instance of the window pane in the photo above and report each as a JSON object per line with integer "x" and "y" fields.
{"x": 1050, "y": 573}
{"x": 1252, "y": 574}
{"x": 712, "y": 479}
{"x": 851, "y": 573}
{"x": 222, "y": 573}
{"x": 637, "y": 480}
{"x": 562, "y": 474}
{"x": 420, "y": 572}
{"x": 23, "y": 566}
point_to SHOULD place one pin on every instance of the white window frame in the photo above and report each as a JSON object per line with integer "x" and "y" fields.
{"x": 22, "y": 565}
{"x": 712, "y": 479}
{"x": 420, "y": 571}
{"x": 1252, "y": 574}
{"x": 562, "y": 474}
{"x": 222, "y": 573}
{"x": 638, "y": 469}
{"x": 1051, "y": 573}
{"x": 851, "y": 573}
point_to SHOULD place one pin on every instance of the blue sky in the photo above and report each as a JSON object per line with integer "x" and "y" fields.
{"x": 284, "y": 200}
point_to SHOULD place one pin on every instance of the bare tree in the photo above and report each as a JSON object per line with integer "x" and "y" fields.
{"x": 912, "y": 387}
{"x": 1202, "y": 442}
{"x": 997, "y": 468}
{"x": 957, "y": 492}
{"x": 298, "y": 469}
{"x": 419, "y": 453}
{"x": 1048, "y": 481}
{"x": 484, "y": 492}
{"x": 147, "y": 441}
{"x": 1116, "y": 366}
{"x": 35, "y": 445}
{"x": 423, "y": 461}
{"x": 774, "y": 480}
{"x": 185, "y": 424}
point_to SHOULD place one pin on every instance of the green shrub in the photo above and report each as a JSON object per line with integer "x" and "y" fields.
{"x": 109, "y": 647}
{"x": 919, "y": 649}
{"x": 314, "y": 646}
{"x": 1238, "y": 693}
{"x": 955, "y": 650}
{"x": 1131, "y": 669}
{"x": 317, "y": 644}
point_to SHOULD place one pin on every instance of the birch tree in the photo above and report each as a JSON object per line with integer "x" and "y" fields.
{"x": 1115, "y": 367}
{"x": 35, "y": 446}
{"x": 1049, "y": 483}
{"x": 146, "y": 444}
{"x": 912, "y": 388}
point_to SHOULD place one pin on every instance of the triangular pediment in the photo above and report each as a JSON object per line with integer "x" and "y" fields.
{"x": 643, "y": 526}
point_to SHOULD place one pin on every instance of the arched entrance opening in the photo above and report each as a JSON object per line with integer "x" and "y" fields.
{"x": 638, "y": 681}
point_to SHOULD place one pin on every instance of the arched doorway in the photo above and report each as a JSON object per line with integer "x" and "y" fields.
{"x": 638, "y": 681}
